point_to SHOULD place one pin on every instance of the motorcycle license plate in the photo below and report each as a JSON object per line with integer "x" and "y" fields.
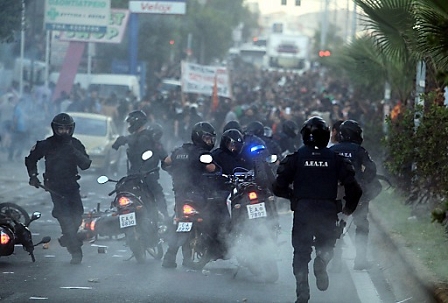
{"x": 184, "y": 227}
{"x": 256, "y": 210}
{"x": 127, "y": 220}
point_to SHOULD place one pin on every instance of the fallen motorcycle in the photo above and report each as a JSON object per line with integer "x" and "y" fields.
{"x": 98, "y": 223}
{"x": 14, "y": 223}
{"x": 137, "y": 214}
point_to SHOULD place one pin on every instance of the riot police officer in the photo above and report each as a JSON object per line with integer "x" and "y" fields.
{"x": 227, "y": 155}
{"x": 287, "y": 138}
{"x": 189, "y": 181}
{"x": 273, "y": 147}
{"x": 314, "y": 172}
{"x": 350, "y": 136}
{"x": 142, "y": 139}
{"x": 63, "y": 155}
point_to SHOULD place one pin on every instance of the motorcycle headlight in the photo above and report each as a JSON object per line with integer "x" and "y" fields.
{"x": 189, "y": 210}
{"x": 4, "y": 238}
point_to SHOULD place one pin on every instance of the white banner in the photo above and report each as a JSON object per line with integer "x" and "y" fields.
{"x": 200, "y": 79}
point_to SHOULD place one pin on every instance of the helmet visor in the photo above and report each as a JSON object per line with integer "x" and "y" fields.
{"x": 62, "y": 130}
{"x": 234, "y": 146}
{"x": 209, "y": 139}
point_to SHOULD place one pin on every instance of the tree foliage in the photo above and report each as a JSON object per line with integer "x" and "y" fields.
{"x": 11, "y": 16}
{"x": 400, "y": 34}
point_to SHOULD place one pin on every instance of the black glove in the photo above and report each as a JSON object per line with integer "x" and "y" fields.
{"x": 34, "y": 181}
{"x": 122, "y": 140}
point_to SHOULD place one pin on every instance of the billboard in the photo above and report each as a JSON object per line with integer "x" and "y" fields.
{"x": 166, "y": 7}
{"x": 115, "y": 30}
{"x": 77, "y": 15}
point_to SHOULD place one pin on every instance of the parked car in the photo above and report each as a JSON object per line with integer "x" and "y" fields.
{"x": 98, "y": 133}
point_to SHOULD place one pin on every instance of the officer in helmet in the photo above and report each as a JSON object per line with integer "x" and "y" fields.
{"x": 227, "y": 155}
{"x": 189, "y": 181}
{"x": 254, "y": 147}
{"x": 63, "y": 155}
{"x": 273, "y": 147}
{"x": 288, "y": 137}
{"x": 227, "y": 158}
{"x": 350, "y": 136}
{"x": 314, "y": 172}
{"x": 142, "y": 139}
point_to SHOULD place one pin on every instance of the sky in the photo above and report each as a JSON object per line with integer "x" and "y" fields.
{"x": 306, "y": 6}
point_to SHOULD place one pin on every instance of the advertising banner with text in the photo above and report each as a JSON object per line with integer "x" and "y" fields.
{"x": 77, "y": 15}
{"x": 115, "y": 30}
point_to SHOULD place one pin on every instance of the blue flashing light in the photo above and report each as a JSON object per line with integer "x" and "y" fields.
{"x": 257, "y": 148}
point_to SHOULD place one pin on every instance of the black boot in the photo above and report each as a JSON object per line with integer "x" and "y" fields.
{"x": 320, "y": 269}
{"x": 76, "y": 255}
{"x": 169, "y": 260}
{"x": 302, "y": 287}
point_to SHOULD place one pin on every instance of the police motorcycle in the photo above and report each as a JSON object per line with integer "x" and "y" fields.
{"x": 254, "y": 219}
{"x": 195, "y": 229}
{"x": 136, "y": 219}
{"x": 14, "y": 223}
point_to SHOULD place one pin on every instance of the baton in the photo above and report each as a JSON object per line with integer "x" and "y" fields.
{"x": 51, "y": 191}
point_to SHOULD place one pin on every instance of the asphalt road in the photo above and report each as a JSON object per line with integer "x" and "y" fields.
{"x": 111, "y": 277}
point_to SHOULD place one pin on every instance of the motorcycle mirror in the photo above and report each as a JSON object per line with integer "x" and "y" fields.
{"x": 146, "y": 155}
{"x": 102, "y": 179}
{"x": 206, "y": 159}
{"x": 272, "y": 159}
{"x": 36, "y": 215}
{"x": 44, "y": 240}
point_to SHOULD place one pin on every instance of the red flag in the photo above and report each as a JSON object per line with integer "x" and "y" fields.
{"x": 215, "y": 98}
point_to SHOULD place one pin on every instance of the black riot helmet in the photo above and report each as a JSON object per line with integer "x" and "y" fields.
{"x": 255, "y": 128}
{"x": 63, "y": 126}
{"x": 232, "y": 125}
{"x": 315, "y": 132}
{"x": 203, "y": 135}
{"x": 290, "y": 128}
{"x": 350, "y": 131}
{"x": 156, "y": 131}
{"x": 232, "y": 140}
{"x": 136, "y": 119}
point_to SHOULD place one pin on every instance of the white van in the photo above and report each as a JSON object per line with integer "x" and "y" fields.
{"x": 117, "y": 83}
{"x": 106, "y": 83}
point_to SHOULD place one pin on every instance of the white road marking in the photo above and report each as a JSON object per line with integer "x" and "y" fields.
{"x": 365, "y": 288}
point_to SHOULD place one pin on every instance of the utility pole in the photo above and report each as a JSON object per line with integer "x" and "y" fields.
{"x": 324, "y": 25}
{"x": 22, "y": 48}
{"x": 354, "y": 21}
